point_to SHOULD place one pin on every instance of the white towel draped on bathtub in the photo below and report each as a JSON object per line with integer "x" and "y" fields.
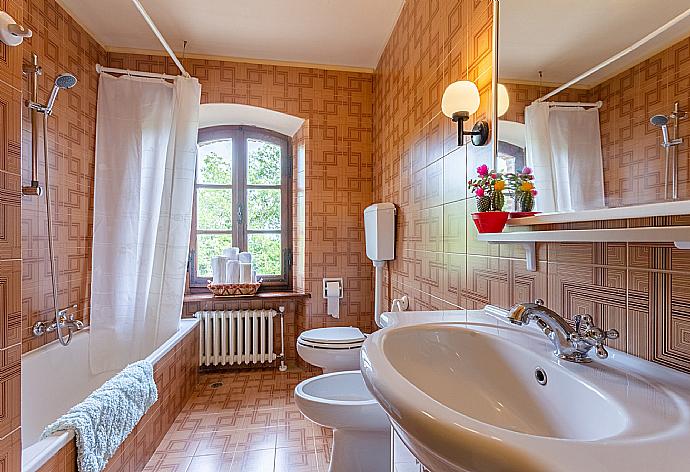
{"x": 106, "y": 417}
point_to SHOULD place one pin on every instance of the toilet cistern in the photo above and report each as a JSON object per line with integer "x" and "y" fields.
{"x": 379, "y": 232}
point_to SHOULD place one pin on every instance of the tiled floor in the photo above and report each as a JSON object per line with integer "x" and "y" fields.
{"x": 249, "y": 423}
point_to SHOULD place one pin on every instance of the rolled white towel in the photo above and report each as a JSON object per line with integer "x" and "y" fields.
{"x": 231, "y": 253}
{"x": 218, "y": 269}
{"x": 232, "y": 272}
{"x": 245, "y": 272}
{"x": 245, "y": 257}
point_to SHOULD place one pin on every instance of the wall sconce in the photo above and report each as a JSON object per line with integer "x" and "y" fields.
{"x": 503, "y": 100}
{"x": 459, "y": 101}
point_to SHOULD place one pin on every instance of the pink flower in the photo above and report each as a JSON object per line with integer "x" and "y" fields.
{"x": 526, "y": 170}
{"x": 479, "y": 192}
{"x": 494, "y": 175}
{"x": 482, "y": 170}
{"x": 534, "y": 192}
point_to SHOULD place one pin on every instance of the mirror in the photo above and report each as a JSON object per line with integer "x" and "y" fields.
{"x": 598, "y": 128}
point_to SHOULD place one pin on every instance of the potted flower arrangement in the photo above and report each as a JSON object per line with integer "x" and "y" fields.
{"x": 522, "y": 185}
{"x": 488, "y": 189}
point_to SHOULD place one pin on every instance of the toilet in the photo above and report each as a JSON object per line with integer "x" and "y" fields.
{"x": 332, "y": 349}
{"x": 361, "y": 429}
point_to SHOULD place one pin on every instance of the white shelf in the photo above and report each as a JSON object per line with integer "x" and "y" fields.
{"x": 637, "y": 211}
{"x": 679, "y": 235}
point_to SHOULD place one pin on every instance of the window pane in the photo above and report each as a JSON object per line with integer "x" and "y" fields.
{"x": 263, "y": 163}
{"x": 208, "y": 246}
{"x": 214, "y": 163}
{"x": 265, "y": 249}
{"x": 214, "y": 208}
{"x": 263, "y": 207}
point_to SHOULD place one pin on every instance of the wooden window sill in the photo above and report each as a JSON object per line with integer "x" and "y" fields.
{"x": 286, "y": 295}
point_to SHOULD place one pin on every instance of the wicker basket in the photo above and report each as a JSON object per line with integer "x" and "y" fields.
{"x": 233, "y": 290}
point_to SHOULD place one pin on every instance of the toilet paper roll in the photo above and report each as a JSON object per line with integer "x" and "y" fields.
{"x": 245, "y": 273}
{"x": 232, "y": 272}
{"x": 333, "y": 297}
{"x": 218, "y": 269}
{"x": 245, "y": 257}
{"x": 231, "y": 253}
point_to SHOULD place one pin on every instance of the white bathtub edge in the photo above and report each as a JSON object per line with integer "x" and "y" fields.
{"x": 39, "y": 453}
{"x": 36, "y": 455}
{"x": 186, "y": 325}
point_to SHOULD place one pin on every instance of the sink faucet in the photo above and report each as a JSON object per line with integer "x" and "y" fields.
{"x": 571, "y": 344}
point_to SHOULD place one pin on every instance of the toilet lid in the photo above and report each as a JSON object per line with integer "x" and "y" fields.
{"x": 334, "y": 335}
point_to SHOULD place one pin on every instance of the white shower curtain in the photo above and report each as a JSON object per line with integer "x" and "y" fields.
{"x": 563, "y": 147}
{"x": 146, "y": 134}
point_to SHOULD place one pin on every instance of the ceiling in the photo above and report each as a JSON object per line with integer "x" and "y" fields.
{"x": 349, "y": 33}
{"x": 565, "y": 38}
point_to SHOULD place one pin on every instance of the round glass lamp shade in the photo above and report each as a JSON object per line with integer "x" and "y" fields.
{"x": 503, "y": 99}
{"x": 461, "y": 96}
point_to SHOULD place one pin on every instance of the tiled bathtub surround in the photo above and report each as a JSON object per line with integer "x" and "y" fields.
{"x": 640, "y": 289}
{"x": 176, "y": 376}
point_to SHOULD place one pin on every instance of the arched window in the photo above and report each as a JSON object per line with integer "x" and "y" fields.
{"x": 243, "y": 198}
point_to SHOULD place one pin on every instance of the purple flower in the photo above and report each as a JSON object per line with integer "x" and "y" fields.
{"x": 526, "y": 170}
{"x": 482, "y": 170}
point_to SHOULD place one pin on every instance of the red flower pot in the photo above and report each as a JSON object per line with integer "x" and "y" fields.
{"x": 490, "y": 221}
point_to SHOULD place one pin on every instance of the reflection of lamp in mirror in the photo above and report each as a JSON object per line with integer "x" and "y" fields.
{"x": 503, "y": 100}
{"x": 459, "y": 101}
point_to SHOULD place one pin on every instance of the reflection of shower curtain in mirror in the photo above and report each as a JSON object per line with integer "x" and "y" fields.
{"x": 563, "y": 147}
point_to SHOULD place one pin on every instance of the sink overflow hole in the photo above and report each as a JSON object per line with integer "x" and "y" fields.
{"x": 540, "y": 375}
{"x": 216, "y": 384}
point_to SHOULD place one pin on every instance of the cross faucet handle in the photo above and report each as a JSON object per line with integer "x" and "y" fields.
{"x": 583, "y": 322}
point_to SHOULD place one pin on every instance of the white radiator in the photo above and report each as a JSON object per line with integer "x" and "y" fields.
{"x": 237, "y": 337}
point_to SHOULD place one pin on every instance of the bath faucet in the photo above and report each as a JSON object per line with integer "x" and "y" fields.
{"x": 571, "y": 344}
{"x": 66, "y": 321}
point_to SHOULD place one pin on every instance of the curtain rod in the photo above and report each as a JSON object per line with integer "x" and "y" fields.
{"x": 100, "y": 68}
{"x": 614, "y": 58}
{"x": 160, "y": 37}
{"x": 598, "y": 104}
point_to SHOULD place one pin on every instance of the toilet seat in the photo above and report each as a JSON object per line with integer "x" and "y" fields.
{"x": 332, "y": 338}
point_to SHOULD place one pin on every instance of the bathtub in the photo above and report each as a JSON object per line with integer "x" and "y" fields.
{"x": 55, "y": 378}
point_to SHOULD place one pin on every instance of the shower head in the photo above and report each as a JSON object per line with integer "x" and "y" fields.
{"x": 662, "y": 122}
{"x": 62, "y": 81}
{"x": 659, "y": 120}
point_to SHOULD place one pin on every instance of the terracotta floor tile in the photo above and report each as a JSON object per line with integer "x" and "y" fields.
{"x": 296, "y": 460}
{"x": 178, "y": 444}
{"x": 161, "y": 462}
{"x": 212, "y": 463}
{"x": 244, "y": 421}
{"x": 254, "y": 461}
{"x": 256, "y": 439}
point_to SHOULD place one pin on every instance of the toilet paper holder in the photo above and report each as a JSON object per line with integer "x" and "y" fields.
{"x": 340, "y": 286}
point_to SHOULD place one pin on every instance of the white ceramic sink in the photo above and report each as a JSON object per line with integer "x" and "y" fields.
{"x": 464, "y": 396}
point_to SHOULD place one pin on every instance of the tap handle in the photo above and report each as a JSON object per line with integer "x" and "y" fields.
{"x": 539, "y": 302}
{"x": 601, "y": 351}
{"x": 612, "y": 334}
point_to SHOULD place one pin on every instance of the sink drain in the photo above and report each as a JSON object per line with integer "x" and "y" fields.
{"x": 540, "y": 375}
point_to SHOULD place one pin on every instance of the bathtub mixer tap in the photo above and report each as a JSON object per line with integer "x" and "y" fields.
{"x": 67, "y": 321}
